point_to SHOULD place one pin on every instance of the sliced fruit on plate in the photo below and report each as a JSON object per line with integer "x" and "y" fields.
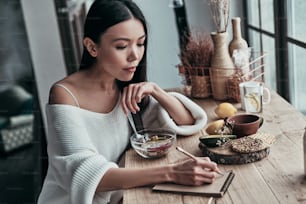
{"x": 215, "y": 140}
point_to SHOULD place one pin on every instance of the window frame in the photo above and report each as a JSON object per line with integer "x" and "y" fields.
{"x": 282, "y": 40}
{"x": 282, "y": 83}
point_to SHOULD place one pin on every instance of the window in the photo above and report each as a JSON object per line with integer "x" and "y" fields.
{"x": 277, "y": 27}
{"x": 297, "y": 52}
{"x": 261, "y": 35}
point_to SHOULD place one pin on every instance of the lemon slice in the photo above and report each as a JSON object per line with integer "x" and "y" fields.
{"x": 252, "y": 102}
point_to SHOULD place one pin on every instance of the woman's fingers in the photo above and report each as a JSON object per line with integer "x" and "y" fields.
{"x": 131, "y": 96}
{"x": 206, "y": 177}
{"x": 205, "y": 158}
{"x": 130, "y": 99}
{"x": 195, "y": 172}
{"x": 136, "y": 97}
{"x": 205, "y": 162}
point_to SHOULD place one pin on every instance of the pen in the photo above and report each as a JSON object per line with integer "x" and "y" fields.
{"x": 194, "y": 158}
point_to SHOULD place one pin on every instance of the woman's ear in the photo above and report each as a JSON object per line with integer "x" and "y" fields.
{"x": 90, "y": 46}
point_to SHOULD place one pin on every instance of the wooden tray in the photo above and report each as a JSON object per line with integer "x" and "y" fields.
{"x": 225, "y": 155}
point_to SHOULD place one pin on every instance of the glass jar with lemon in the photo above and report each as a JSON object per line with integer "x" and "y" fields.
{"x": 252, "y": 96}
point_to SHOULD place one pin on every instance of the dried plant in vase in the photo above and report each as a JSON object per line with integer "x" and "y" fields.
{"x": 220, "y": 13}
{"x": 222, "y": 66}
{"x": 196, "y": 58}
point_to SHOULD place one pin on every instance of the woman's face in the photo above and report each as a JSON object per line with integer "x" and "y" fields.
{"x": 121, "y": 49}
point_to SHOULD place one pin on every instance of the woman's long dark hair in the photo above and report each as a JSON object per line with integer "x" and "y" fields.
{"x": 104, "y": 14}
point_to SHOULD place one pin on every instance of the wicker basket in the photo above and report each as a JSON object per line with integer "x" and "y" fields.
{"x": 199, "y": 78}
{"x": 199, "y": 81}
{"x": 254, "y": 71}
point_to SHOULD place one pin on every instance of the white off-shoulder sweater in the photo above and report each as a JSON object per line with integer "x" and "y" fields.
{"x": 83, "y": 145}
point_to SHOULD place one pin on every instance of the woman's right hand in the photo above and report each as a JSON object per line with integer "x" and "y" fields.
{"x": 194, "y": 172}
{"x": 133, "y": 93}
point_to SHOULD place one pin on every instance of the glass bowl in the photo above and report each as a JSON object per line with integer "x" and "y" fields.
{"x": 154, "y": 143}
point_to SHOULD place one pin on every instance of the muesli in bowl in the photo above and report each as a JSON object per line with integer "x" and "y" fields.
{"x": 154, "y": 143}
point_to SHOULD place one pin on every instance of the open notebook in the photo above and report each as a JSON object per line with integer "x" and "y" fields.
{"x": 216, "y": 189}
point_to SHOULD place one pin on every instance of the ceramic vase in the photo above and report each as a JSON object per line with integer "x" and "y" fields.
{"x": 237, "y": 42}
{"x": 222, "y": 66}
{"x": 238, "y": 49}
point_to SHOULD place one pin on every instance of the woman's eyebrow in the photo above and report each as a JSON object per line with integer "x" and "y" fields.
{"x": 128, "y": 39}
{"x": 144, "y": 36}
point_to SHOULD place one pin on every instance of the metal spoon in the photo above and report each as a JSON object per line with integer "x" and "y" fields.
{"x": 131, "y": 121}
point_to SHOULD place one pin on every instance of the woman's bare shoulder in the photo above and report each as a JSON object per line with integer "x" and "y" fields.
{"x": 64, "y": 91}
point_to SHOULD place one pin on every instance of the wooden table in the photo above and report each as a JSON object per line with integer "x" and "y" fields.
{"x": 277, "y": 178}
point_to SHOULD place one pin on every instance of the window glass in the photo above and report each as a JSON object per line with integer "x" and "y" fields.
{"x": 269, "y": 49}
{"x": 267, "y": 15}
{"x": 296, "y": 19}
{"x": 253, "y": 13}
{"x": 264, "y": 40}
{"x": 254, "y": 38}
{"x": 270, "y": 67}
{"x": 297, "y": 76}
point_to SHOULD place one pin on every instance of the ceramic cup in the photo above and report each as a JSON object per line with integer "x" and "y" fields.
{"x": 253, "y": 95}
{"x": 244, "y": 124}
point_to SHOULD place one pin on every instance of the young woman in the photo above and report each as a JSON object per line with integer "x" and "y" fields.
{"x": 88, "y": 129}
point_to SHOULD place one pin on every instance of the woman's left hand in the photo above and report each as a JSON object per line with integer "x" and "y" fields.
{"x": 133, "y": 93}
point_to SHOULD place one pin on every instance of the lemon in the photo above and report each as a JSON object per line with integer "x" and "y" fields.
{"x": 213, "y": 127}
{"x": 225, "y": 110}
{"x": 252, "y": 102}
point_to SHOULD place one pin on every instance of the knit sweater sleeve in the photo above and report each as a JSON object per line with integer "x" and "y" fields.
{"x": 155, "y": 116}
{"x": 74, "y": 160}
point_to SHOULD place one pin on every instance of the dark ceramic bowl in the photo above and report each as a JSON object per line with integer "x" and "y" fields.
{"x": 245, "y": 124}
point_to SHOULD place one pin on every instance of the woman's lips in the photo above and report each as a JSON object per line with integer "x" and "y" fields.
{"x": 131, "y": 69}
